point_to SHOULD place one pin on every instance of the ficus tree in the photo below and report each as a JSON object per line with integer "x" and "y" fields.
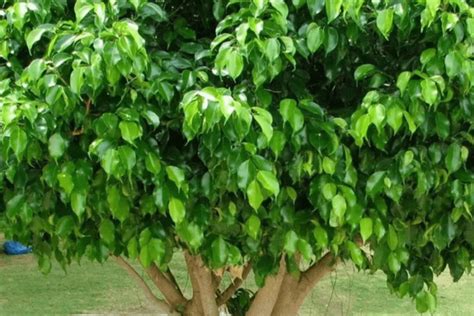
{"x": 268, "y": 138}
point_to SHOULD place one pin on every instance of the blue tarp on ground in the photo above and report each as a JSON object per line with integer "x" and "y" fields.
{"x": 15, "y": 248}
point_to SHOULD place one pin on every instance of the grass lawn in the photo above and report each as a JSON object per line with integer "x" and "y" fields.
{"x": 95, "y": 288}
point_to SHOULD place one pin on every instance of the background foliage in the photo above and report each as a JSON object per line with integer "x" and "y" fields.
{"x": 241, "y": 130}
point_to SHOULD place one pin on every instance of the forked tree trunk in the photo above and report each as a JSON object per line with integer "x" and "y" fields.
{"x": 282, "y": 295}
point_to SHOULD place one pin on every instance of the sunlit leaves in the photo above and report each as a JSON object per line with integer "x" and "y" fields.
{"x": 385, "y": 22}
{"x": 333, "y": 9}
{"x": 177, "y": 210}
{"x": 255, "y": 195}
{"x": 315, "y": 37}
{"x": 130, "y": 131}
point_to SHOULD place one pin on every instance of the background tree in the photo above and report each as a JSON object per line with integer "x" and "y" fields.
{"x": 268, "y": 136}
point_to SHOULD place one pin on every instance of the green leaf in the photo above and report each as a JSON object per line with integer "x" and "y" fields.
{"x": 130, "y": 131}
{"x": 329, "y": 165}
{"x": 375, "y": 183}
{"x": 321, "y": 237}
{"x": 254, "y": 194}
{"x": 272, "y": 49}
{"x": 107, "y": 231}
{"x": 177, "y": 210}
{"x": 356, "y": 254}
{"x": 110, "y": 162}
{"x": 314, "y": 37}
{"x": 442, "y": 125}
{"x": 191, "y": 233}
{"x": 333, "y": 9}
{"x": 235, "y": 63}
{"x": 77, "y": 80}
{"x": 292, "y": 114}
{"x": 393, "y": 263}
{"x": 153, "y": 163}
{"x": 78, "y": 202}
{"x": 252, "y": 226}
{"x": 264, "y": 120}
{"x": 402, "y": 81}
{"x": 18, "y": 141}
{"x": 366, "y": 228}
{"x": 305, "y": 249}
{"x": 385, "y": 22}
{"x": 331, "y": 38}
{"x": 119, "y": 205}
{"x": 291, "y": 242}
{"x": 219, "y": 252}
{"x": 429, "y": 91}
{"x": 339, "y": 207}
{"x": 364, "y": 71}
{"x": 315, "y": 6}
{"x": 176, "y": 175}
{"x": 277, "y": 144}
{"x": 65, "y": 226}
{"x": 269, "y": 181}
{"x": 57, "y": 146}
{"x": 128, "y": 157}
{"x": 395, "y": 118}
{"x": 329, "y": 191}
{"x": 81, "y": 9}
{"x": 280, "y": 6}
{"x": 454, "y": 63}
{"x": 392, "y": 238}
{"x": 425, "y": 301}
{"x": 36, "y": 34}
{"x": 453, "y": 158}
{"x": 66, "y": 182}
{"x": 245, "y": 174}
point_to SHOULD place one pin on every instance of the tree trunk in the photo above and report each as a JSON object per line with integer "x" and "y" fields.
{"x": 282, "y": 295}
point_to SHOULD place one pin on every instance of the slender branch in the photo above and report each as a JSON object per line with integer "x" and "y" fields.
{"x": 134, "y": 274}
{"x": 229, "y": 292}
{"x": 172, "y": 295}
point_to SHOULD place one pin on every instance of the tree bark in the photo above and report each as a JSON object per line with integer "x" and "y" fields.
{"x": 266, "y": 297}
{"x": 194, "y": 306}
{"x": 172, "y": 295}
{"x": 206, "y": 287}
{"x": 294, "y": 291}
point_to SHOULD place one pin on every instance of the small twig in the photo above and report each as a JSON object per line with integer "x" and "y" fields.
{"x": 78, "y": 132}
{"x": 229, "y": 292}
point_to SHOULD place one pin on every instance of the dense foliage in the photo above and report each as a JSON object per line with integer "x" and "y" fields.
{"x": 241, "y": 130}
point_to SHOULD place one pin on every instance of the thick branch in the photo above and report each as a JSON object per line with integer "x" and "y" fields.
{"x": 229, "y": 292}
{"x": 149, "y": 294}
{"x": 294, "y": 290}
{"x": 315, "y": 273}
{"x": 194, "y": 307}
{"x": 172, "y": 295}
{"x": 267, "y": 296}
{"x": 205, "y": 285}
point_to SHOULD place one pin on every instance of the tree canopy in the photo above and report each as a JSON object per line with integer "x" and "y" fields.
{"x": 242, "y": 132}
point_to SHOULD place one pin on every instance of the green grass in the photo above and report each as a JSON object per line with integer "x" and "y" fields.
{"x": 95, "y": 288}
